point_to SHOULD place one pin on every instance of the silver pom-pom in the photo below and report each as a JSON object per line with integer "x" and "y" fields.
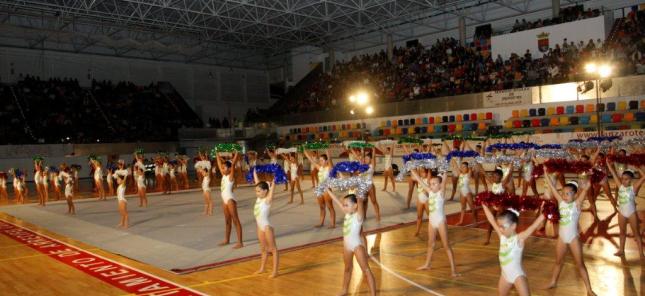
{"x": 553, "y": 153}
{"x": 515, "y": 160}
{"x": 640, "y": 142}
{"x": 360, "y": 184}
{"x": 440, "y": 165}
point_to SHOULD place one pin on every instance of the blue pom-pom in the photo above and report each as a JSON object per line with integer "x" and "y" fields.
{"x": 461, "y": 154}
{"x": 515, "y": 146}
{"x": 275, "y": 169}
{"x": 418, "y": 156}
{"x": 603, "y": 139}
{"x": 348, "y": 167}
{"x": 550, "y": 146}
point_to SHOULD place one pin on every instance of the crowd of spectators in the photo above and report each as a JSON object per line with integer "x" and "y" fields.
{"x": 569, "y": 14}
{"x": 61, "y": 111}
{"x": 446, "y": 68}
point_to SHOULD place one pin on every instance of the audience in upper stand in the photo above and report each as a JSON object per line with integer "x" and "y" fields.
{"x": 569, "y": 14}
{"x": 61, "y": 111}
{"x": 447, "y": 68}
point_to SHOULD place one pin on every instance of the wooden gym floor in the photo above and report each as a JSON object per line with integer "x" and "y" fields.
{"x": 395, "y": 254}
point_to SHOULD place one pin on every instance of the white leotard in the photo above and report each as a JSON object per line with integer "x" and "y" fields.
{"x": 422, "y": 196}
{"x": 569, "y": 214}
{"x": 17, "y": 184}
{"x": 435, "y": 207}
{"x": 510, "y": 258}
{"x": 56, "y": 180}
{"x": 45, "y": 180}
{"x": 109, "y": 177}
{"x": 172, "y": 173}
{"x": 369, "y": 174}
{"x": 206, "y": 181}
{"x": 352, "y": 232}
{"x": 626, "y": 203}
{"x": 141, "y": 182}
{"x": 497, "y": 188}
{"x": 227, "y": 189}
{"x": 323, "y": 173}
{"x": 203, "y": 164}
{"x": 69, "y": 184}
{"x": 261, "y": 212}
{"x": 463, "y": 183}
{"x": 38, "y": 179}
{"x": 387, "y": 162}
{"x": 527, "y": 171}
{"x": 98, "y": 174}
{"x": 293, "y": 168}
{"x": 505, "y": 171}
{"x": 120, "y": 193}
{"x": 3, "y": 183}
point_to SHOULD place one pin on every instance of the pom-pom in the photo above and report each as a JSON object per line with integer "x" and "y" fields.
{"x": 53, "y": 169}
{"x": 360, "y": 184}
{"x": 349, "y": 167}
{"x": 315, "y": 145}
{"x": 603, "y": 139}
{"x": 94, "y": 157}
{"x": 3, "y": 175}
{"x": 418, "y": 156}
{"x": 550, "y": 210}
{"x": 463, "y": 138}
{"x": 634, "y": 159}
{"x": 361, "y": 145}
{"x": 565, "y": 166}
{"x": 441, "y": 165}
{"x": 538, "y": 171}
{"x": 549, "y": 146}
{"x": 38, "y": 158}
{"x": 226, "y": 147}
{"x": 514, "y": 160}
{"x": 286, "y": 150}
{"x": 461, "y": 154}
{"x": 76, "y": 167}
{"x": 139, "y": 151}
{"x": 554, "y": 153}
{"x": 410, "y": 140}
{"x": 386, "y": 142}
{"x": 272, "y": 169}
{"x": 514, "y": 146}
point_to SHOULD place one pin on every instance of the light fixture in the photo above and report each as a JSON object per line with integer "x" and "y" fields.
{"x": 352, "y": 99}
{"x": 351, "y": 112}
{"x": 604, "y": 71}
{"x": 369, "y": 110}
{"x": 362, "y": 98}
{"x": 590, "y": 68}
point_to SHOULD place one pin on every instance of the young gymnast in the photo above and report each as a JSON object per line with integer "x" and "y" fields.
{"x": 422, "y": 198}
{"x": 45, "y": 184}
{"x": 388, "y": 172}
{"x": 463, "y": 186}
{"x": 266, "y": 235}
{"x": 499, "y": 185}
{"x": 141, "y": 187}
{"x": 354, "y": 245}
{"x": 313, "y": 170}
{"x": 98, "y": 178}
{"x": 411, "y": 182}
{"x": 110, "y": 180}
{"x": 18, "y": 186}
{"x": 627, "y": 192}
{"x": 229, "y": 204}
{"x": 182, "y": 171}
{"x": 294, "y": 179}
{"x": 368, "y": 159}
{"x": 38, "y": 181}
{"x": 436, "y": 219}
{"x": 173, "y": 184}
{"x": 123, "y": 203}
{"x": 479, "y": 174}
{"x": 511, "y": 246}
{"x": 206, "y": 190}
{"x": 525, "y": 178}
{"x": 68, "y": 180}
{"x": 56, "y": 182}
{"x": 3, "y": 186}
{"x": 569, "y": 206}
{"x": 323, "y": 165}
{"x": 456, "y": 146}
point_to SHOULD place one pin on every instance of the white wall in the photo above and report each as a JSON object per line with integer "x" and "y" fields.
{"x": 519, "y": 42}
{"x": 303, "y": 60}
{"x": 211, "y": 91}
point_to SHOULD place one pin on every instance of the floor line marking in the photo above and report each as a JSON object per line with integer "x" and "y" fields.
{"x": 397, "y": 275}
{"x": 66, "y": 255}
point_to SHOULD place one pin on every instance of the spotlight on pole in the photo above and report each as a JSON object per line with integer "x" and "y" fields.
{"x": 369, "y": 110}
{"x": 352, "y": 112}
{"x": 362, "y": 98}
{"x": 591, "y": 68}
{"x": 604, "y": 71}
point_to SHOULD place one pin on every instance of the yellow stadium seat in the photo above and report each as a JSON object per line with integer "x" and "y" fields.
{"x": 459, "y": 127}
{"x": 590, "y": 108}
{"x": 459, "y": 118}
{"x": 515, "y": 113}
{"x": 482, "y": 126}
{"x": 481, "y": 116}
{"x": 410, "y": 130}
{"x": 622, "y": 106}
{"x": 564, "y": 120}
{"x": 554, "y": 121}
{"x": 550, "y": 111}
{"x": 524, "y": 113}
{"x": 593, "y": 119}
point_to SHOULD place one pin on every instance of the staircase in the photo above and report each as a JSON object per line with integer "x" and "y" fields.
{"x": 300, "y": 90}
{"x": 614, "y": 28}
{"x": 98, "y": 107}
{"x": 22, "y": 114}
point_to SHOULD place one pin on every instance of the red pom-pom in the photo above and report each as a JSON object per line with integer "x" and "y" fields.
{"x": 565, "y": 166}
{"x": 550, "y": 211}
{"x": 530, "y": 203}
{"x": 634, "y": 159}
{"x": 538, "y": 171}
